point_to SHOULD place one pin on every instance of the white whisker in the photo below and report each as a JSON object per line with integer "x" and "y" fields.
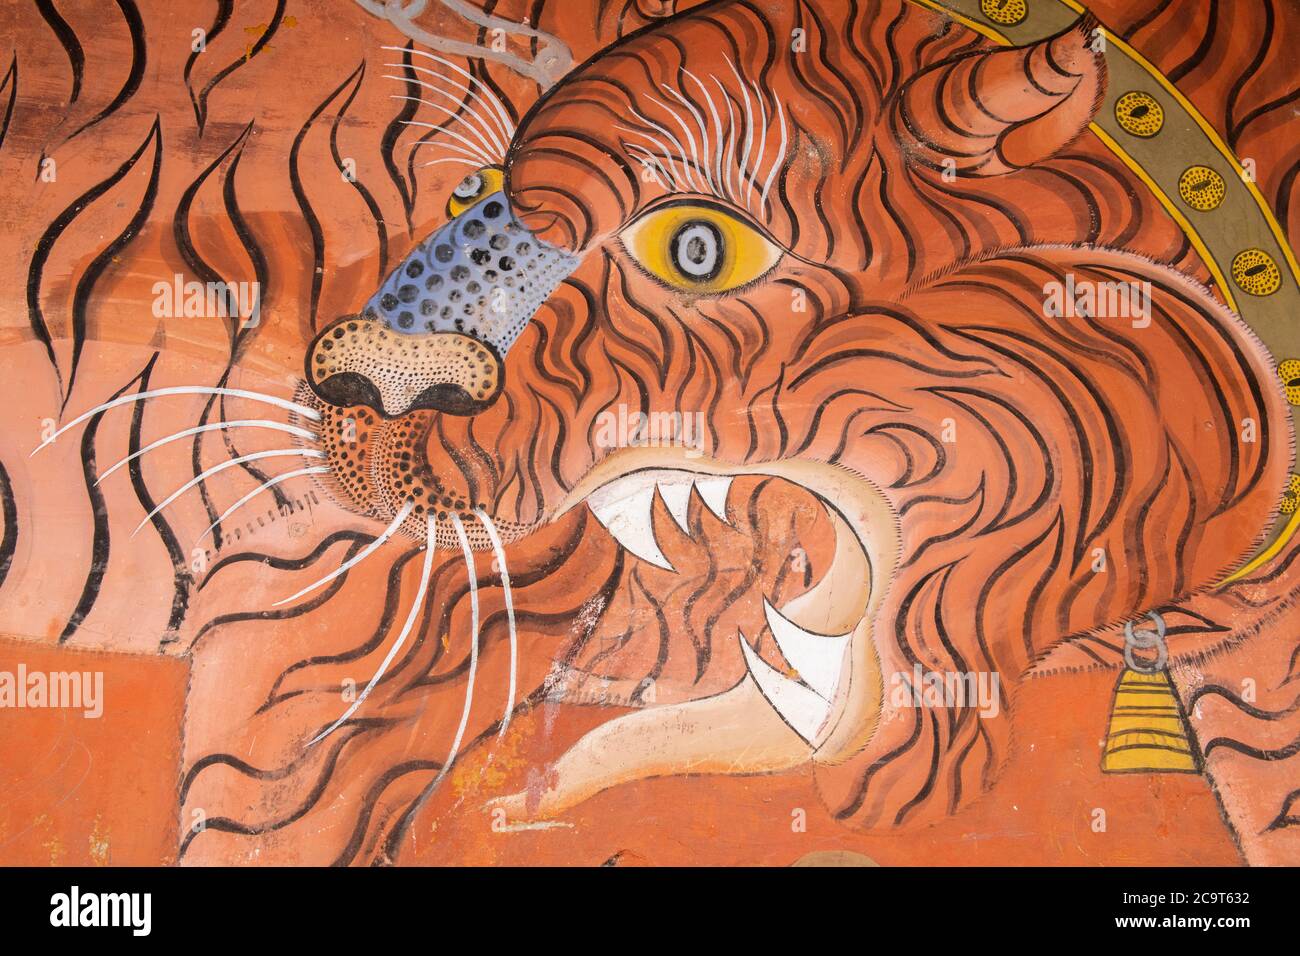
{"x": 222, "y": 467}
{"x": 499, "y": 551}
{"x": 425, "y": 572}
{"x": 309, "y": 413}
{"x": 473, "y": 650}
{"x": 317, "y": 470}
{"x": 213, "y": 427}
{"x": 359, "y": 556}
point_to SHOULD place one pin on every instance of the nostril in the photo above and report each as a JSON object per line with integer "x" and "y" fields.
{"x": 347, "y": 389}
{"x": 450, "y": 399}
{"x": 358, "y": 361}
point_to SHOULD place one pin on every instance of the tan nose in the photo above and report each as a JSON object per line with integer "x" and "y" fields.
{"x": 359, "y": 361}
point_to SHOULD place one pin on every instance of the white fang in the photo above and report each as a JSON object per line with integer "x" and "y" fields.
{"x": 819, "y": 658}
{"x": 799, "y": 707}
{"x": 713, "y": 491}
{"x": 677, "y": 499}
{"x": 625, "y": 511}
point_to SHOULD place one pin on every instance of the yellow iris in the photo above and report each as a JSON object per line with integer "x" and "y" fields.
{"x": 474, "y": 188}
{"x": 699, "y": 248}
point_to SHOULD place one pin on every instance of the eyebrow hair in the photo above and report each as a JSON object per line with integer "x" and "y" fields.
{"x": 696, "y": 162}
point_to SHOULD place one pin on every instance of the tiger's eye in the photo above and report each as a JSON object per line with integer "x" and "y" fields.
{"x": 469, "y": 187}
{"x": 699, "y": 248}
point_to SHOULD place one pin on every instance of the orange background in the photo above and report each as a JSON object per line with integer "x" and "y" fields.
{"x": 103, "y": 792}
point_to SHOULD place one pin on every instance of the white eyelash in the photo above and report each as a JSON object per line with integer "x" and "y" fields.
{"x": 767, "y": 184}
{"x": 709, "y": 164}
{"x": 449, "y": 147}
{"x": 762, "y": 137}
{"x": 488, "y": 147}
{"x": 491, "y": 127}
{"x": 659, "y": 160}
{"x": 692, "y": 163}
{"x": 486, "y": 133}
{"x": 704, "y": 137}
{"x": 656, "y": 167}
{"x": 730, "y": 162}
{"x": 717, "y": 129}
{"x": 473, "y": 150}
{"x": 507, "y": 127}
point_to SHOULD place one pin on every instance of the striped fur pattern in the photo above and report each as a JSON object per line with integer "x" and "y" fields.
{"x": 906, "y": 308}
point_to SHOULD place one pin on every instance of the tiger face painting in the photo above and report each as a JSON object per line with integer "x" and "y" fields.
{"x": 743, "y": 230}
{"x": 773, "y": 370}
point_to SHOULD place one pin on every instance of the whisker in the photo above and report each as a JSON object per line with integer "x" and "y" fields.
{"x": 317, "y": 470}
{"x": 309, "y": 413}
{"x": 222, "y": 467}
{"x": 425, "y": 573}
{"x": 213, "y": 427}
{"x": 499, "y": 551}
{"x": 360, "y": 555}
{"x": 473, "y": 651}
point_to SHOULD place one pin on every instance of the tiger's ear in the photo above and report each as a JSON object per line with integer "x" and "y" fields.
{"x": 996, "y": 111}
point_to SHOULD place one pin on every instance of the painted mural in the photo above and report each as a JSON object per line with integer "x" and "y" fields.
{"x": 643, "y": 432}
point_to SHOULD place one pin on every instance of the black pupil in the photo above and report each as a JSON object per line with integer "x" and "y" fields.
{"x": 697, "y": 250}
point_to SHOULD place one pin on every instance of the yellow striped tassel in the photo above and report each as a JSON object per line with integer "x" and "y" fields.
{"x": 1148, "y": 730}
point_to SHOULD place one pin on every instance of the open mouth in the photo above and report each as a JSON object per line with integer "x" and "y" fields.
{"x": 824, "y": 668}
{"x": 823, "y": 633}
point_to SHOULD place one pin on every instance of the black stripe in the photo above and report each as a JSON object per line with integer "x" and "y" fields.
{"x": 101, "y": 263}
{"x": 139, "y": 55}
{"x": 9, "y": 544}
{"x": 71, "y": 45}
